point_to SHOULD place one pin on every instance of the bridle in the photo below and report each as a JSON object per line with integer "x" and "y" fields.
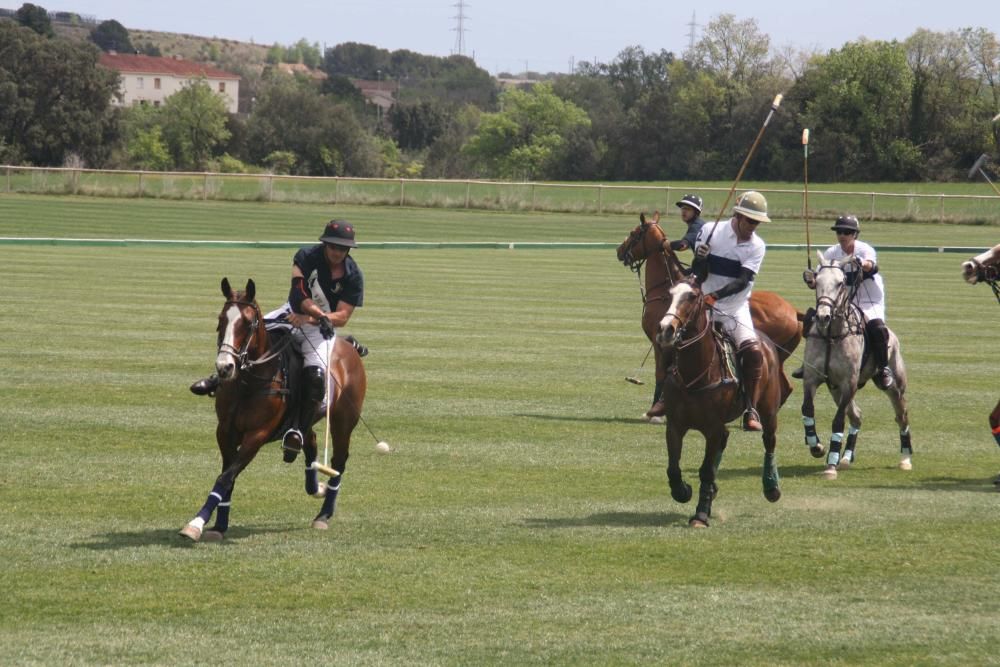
{"x": 840, "y": 304}
{"x": 241, "y": 353}
{"x": 680, "y": 343}
{"x": 989, "y": 275}
{"x": 635, "y": 264}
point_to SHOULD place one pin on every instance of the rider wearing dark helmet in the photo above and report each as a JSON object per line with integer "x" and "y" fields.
{"x": 869, "y": 295}
{"x": 327, "y": 285}
{"x": 690, "y": 206}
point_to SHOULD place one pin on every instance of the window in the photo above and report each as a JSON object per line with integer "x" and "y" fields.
{"x": 139, "y": 82}
{"x": 156, "y": 103}
{"x": 222, "y": 86}
{"x": 156, "y": 83}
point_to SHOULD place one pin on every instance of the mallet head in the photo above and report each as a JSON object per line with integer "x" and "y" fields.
{"x": 978, "y": 166}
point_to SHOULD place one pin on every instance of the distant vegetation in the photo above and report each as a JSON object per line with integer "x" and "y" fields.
{"x": 911, "y": 110}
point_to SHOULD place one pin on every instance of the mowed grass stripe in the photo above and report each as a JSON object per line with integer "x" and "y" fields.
{"x": 524, "y": 515}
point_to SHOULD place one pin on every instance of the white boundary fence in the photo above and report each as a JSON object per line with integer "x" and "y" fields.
{"x": 490, "y": 195}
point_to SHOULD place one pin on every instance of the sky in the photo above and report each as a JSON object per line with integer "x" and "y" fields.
{"x": 542, "y": 35}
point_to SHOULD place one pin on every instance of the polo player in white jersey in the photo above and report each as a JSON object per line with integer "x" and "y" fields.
{"x": 726, "y": 270}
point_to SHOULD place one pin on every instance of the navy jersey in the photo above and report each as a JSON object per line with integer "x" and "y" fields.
{"x": 322, "y": 288}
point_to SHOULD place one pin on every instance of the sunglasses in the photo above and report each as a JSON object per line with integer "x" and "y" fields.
{"x": 749, "y": 221}
{"x": 845, "y": 232}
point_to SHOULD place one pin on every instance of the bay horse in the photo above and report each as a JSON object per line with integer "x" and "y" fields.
{"x": 835, "y": 357}
{"x": 647, "y": 245}
{"x": 702, "y": 393}
{"x": 985, "y": 268}
{"x": 251, "y": 405}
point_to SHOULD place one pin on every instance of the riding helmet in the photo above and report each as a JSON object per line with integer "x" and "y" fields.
{"x": 848, "y": 223}
{"x": 339, "y": 232}
{"x": 753, "y": 205}
{"x": 694, "y": 201}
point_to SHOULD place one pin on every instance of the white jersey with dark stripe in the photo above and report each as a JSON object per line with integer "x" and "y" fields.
{"x": 727, "y": 257}
{"x": 870, "y": 295}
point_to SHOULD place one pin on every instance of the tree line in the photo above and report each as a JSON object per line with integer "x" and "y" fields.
{"x": 916, "y": 109}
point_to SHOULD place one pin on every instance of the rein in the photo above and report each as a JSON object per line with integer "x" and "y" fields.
{"x": 246, "y": 364}
{"x": 682, "y": 344}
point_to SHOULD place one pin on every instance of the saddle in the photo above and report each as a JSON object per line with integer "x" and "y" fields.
{"x": 291, "y": 363}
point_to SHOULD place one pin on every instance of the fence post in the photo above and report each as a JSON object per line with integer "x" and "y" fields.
{"x": 941, "y": 200}
{"x": 204, "y": 187}
{"x": 336, "y": 189}
{"x": 270, "y": 188}
{"x": 532, "y": 196}
{"x": 402, "y": 191}
{"x": 600, "y": 198}
{"x": 872, "y": 216}
{"x": 141, "y": 175}
{"x": 8, "y": 180}
{"x": 468, "y": 192}
{"x": 667, "y": 205}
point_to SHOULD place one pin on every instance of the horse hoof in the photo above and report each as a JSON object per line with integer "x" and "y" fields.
{"x": 320, "y": 524}
{"x": 818, "y": 451}
{"x": 830, "y": 472}
{"x": 192, "y": 532}
{"x": 699, "y": 520}
{"x": 906, "y": 464}
{"x": 655, "y": 420}
{"x": 212, "y": 536}
{"x": 844, "y": 464}
{"x": 772, "y": 495}
{"x": 320, "y": 491}
{"x": 681, "y": 494}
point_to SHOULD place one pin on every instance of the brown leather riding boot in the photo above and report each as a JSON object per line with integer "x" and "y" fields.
{"x": 752, "y": 366}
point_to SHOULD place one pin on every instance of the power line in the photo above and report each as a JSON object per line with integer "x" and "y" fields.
{"x": 692, "y": 31}
{"x": 460, "y": 28}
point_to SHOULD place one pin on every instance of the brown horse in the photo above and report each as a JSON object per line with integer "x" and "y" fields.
{"x": 702, "y": 394}
{"x": 985, "y": 268}
{"x": 251, "y": 407}
{"x": 647, "y": 245}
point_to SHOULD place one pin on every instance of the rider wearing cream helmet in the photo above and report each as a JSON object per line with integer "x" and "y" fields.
{"x": 727, "y": 269}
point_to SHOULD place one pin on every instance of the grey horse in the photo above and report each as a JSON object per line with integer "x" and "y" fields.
{"x": 834, "y": 355}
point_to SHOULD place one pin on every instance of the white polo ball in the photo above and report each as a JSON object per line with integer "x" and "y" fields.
{"x": 383, "y": 447}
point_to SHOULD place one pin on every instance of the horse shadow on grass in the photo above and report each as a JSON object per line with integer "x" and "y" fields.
{"x": 857, "y": 474}
{"x": 572, "y": 418}
{"x": 608, "y": 520}
{"x": 163, "y": 537}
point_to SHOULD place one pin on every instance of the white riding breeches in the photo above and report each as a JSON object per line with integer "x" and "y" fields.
{"x": 737, "y": 323}
{"x": 309, "y": 340}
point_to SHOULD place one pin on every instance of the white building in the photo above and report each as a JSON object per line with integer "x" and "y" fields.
{"x": 150, "y": 80}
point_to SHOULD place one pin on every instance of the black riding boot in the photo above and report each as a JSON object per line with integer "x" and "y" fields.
{"x": 752, "y": 367}
{"x": 206, "y": 386}
{"x": 313, "y": 390}
{"x": 878, "y": 336}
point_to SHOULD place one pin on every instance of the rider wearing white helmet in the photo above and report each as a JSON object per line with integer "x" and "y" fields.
{"x": 727, "y": 269}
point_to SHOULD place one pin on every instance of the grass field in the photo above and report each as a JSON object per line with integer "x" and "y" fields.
{"x": 523, "y": 516}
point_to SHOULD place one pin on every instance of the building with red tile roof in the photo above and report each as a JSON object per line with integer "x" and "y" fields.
{"x": 151, "y": 80}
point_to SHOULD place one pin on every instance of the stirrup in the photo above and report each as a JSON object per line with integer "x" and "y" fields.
{"x": 751, "y": 419}
{"x": 293, "y": 440}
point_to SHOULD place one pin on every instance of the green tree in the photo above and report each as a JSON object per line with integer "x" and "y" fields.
{"x": 325, "y": 137}
{"x": 54, "y": 98}
{"x": 147, "y": 150}
{"x": 111, "y": 36}
{"x": 526, "y": 139}
{"x": 860, "y": 114}
{"x": 194, "y": 124}
{"x": 417, "y": 126}
{"x": 36, "y": 18}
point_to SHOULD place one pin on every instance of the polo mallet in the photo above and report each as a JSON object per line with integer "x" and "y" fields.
{"x": 634, "y": 379}
{"x": 805, "y": 199}
{"x": 774, "y": 107}
{"x": 316, "y": 465}
{"x": 978, "y": 166}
